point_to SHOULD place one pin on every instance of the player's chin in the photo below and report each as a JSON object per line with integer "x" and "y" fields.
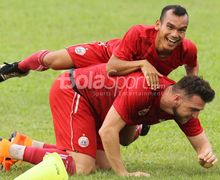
{"x": 170, "y": 48}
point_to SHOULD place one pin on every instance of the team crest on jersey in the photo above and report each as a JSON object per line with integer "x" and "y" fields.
{"x": 80, "y": 50}
{"x": 143, "y": 112}
{"x": 83, "y": 141}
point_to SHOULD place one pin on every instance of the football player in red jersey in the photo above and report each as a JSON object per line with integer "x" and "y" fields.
{"x": 155, "y": 50}
{"x": 90, "y": 110}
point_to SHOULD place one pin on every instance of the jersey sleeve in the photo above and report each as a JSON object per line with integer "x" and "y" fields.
{"x": 127, "y": 47}
{"x": 192, "y": 127}
{"x": 190, "y": 54}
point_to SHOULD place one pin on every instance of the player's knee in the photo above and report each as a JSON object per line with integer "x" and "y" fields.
{"x": 58, "y": 60}
{"x": 103, "y": 166}
{"x": 125, "y": 141}
{"x": 85, "y": 164}
{"x": 50, "y": 60}
{"x": 101, "y": 160}
{"x": 85, "y": 168}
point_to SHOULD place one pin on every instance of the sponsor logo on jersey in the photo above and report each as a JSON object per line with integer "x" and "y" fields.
{"x": 80, "y": 50}
{"x": 83, "y": 141}
{"x": 144, "y": 111}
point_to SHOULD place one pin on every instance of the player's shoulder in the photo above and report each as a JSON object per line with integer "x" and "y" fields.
{"x": 188, "y": 45}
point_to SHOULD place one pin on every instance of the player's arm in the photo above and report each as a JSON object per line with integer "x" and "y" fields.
{"x": 204, "y": 150}
{"x": 192, "y": 70}
{"x": 116, "y": 67}
{"x": 190, "y": 59}
{"x": 109, "y": 133}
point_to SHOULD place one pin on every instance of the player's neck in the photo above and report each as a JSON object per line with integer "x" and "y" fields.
{"x": 166, "y": 100}
{"x": 161, "y": 51}
{"x": 162, "y": 54}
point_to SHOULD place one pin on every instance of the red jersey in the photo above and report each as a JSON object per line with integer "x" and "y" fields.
{"x": 135, "y": 102}
{"x": 139, "y": 43}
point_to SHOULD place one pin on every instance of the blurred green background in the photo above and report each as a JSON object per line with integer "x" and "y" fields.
{"x": 28, "y": 26}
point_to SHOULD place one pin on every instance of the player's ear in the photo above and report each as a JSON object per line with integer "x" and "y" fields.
{"x": 157, "y": 25}
{"x": 177, "y": 99}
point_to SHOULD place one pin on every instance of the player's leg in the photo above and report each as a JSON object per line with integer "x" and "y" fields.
{"x": 102, "y": 161}
{"x": 127, "y": 135}
{"x": 58, "y": 60}
{"x": 74, "y": 56}
{"x": 85, "y": 164}
{"x": 130, "y": 133}
{"x": 39, "y": 61}
{"x": 74, "y": 124}
{"x": 42, "y": 60}
{"x": 22, "y": 139}
{"x": 10, "y": 153}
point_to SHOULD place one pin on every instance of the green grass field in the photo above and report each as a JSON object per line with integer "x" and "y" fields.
{"x": 28, "y": 26}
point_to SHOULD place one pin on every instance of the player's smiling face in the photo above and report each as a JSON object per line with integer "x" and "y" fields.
{"x": 171, "y": 31}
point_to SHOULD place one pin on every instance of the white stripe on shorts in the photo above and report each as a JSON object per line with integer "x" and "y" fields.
{"x": 76, "y": 102}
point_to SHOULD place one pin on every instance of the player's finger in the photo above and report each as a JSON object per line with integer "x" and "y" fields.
{"x": 157, "y": 81}
{"x": 146, "y": 76}
{"x": 160, "y": 75}
{"x": 208, "y": 156}
{"x": 138, "y": 174}
{"x": 211, "y": 159}
{"x": 215, "y": 161}
{"x": 152, "y": 80}
{"x": 147, "y": 79}
{"x": 203, "y": 155}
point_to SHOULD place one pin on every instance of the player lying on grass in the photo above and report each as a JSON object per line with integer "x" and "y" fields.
{"x": 155, "y": 50}
{"x": 92, "y": 113}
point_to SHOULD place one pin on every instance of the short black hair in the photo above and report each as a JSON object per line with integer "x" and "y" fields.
{"x": 194, "y": 85}
{"x": 177, "y": 10}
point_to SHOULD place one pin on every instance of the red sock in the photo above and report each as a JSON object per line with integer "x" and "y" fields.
{"x": 34, "y": 62}
{"x": 35, "y": 155}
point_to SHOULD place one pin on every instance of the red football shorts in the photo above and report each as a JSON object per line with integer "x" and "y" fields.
{"x": 84, "y": 55}
{"x": 73, "y": 118}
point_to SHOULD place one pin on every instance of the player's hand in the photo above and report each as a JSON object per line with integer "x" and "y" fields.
{"x": 207, "y": 159}
{"x": 138, "y": 174}
{"x": 151, "y": 75}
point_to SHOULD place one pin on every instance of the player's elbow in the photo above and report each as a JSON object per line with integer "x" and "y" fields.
{"x": 102, "y": 132}
{"x": 111, "y": 71}
{"x": 105, "y": 134}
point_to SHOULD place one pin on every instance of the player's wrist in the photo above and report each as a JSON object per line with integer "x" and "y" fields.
{"x": 142, "y": 63}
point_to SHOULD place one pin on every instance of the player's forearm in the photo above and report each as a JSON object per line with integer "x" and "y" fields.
{"x": 204, "y": 151}
{"x": 116, "y": 66}
{"x": 110, "y": 141}
{"x": 200, "y": 143}
{"x": 205, "y": 147}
